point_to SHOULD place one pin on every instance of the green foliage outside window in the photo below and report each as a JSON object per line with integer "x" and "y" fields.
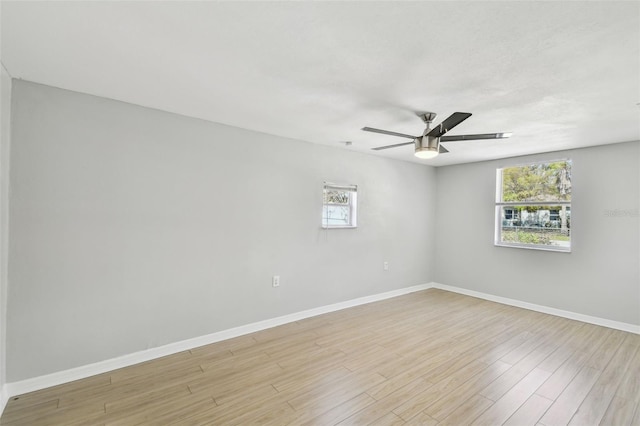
{"x": 537, "y": 182}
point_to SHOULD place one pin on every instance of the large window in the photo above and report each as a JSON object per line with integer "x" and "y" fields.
{"x": 533, "y": 206}
{"x": 339, "y": 209}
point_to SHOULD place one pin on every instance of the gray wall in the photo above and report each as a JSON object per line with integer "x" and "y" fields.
{"x": 5, "y": 133}
{"x": 599, "y": 278}
{"x": 133, "y": 228}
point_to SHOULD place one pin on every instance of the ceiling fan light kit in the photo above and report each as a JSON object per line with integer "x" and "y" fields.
{"x": 425, "y": 153}
{"x": 428, "y": 145}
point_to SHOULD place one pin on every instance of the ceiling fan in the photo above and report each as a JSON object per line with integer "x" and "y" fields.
{"x": 428, "y": 145}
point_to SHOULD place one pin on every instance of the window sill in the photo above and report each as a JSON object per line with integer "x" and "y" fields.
{"x": 536, "y": 247}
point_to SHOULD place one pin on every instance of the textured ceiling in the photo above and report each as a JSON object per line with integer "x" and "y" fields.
{"x": 557, "y": 74}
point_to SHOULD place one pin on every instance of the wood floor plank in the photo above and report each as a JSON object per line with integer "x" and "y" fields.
{"x": 503, "y": 347}
{"x": 338, "y": 413}
{"x": 419, "y": 366}
{"x": 285, "y": 345}
{"x": 128, "y": 401}
{"x": 426, "y": 358}
{"x": 219, "y": 385}
{"x": 29, "y": 414}
{"x": 597, "y": 401}
{"x": 235, "y": 363}
{"x": 630, "y": 386}
{"x": 312, "y": 356}
{"x": 389, "y": 419}
{"x": 335, "y": 392}
{"x": 161, "y": 377}
{"x": 592, "y": 339}
{"x": 530, "y": 412}
{"x": 167, "y": 413}
{"x": 572, "y": 339}
{"x": 443, "y": 407}
{"x": 253, "y": 392}
{"x": 416, "y": 404}
{"x": 528, "y": 346}
{"x": 251, "y": 406}
{"x": 636, "y": 416}
{"x": 600, "y": 360}
{"x": 305, "y": 380}
{"x": 453, "y": 367}
{"x": 422, "y": 419}
{"x": 370, "y": 358}
{"x": 94, "y": 396}
{"x": 561, "y": 378}
{"x": 620, "y": 412}
{"x": 511, "y": 401}
{"x": 276, "y": 414}
{"x": 518, "y": 372}
{"x": 250, "y": 412}
{"x": 466, "y": 412}
{"x": 390, "y": 386}
{"x": 53, "y": 393}
{"x": 386, "y": 403}
{"x": 563, "y": 409}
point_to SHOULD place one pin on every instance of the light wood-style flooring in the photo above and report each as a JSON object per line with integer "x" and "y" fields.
{"x": 427, "y": 358}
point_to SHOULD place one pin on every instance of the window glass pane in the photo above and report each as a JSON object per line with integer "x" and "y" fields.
{"x": 335, "y": 196}
{"x": 335, "y": 215}
{"x": 538, "y": 225}
{"x": 537, "y": 182}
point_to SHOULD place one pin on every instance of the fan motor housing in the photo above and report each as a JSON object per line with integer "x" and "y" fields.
{"x": 427, "y": 142}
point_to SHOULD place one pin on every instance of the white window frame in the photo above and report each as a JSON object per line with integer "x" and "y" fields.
{"x": 352, "y": 190}
{"x": 501, "y": 204}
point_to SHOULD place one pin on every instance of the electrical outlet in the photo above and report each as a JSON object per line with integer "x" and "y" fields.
{"x": 275, "y": 281}
{"x": 385, "y": 266}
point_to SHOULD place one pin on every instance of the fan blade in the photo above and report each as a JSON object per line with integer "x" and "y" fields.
{"x": 393, "y": 146}
{"x": 387, "y": 132}
{"x": 475, "y": 137}
{"x": 452, "y": 121}
{"x": 441, "y": 149}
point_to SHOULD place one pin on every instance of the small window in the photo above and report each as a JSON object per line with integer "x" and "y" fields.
{"x": 339, "y": 208}
{"x": 533, "y": 206}
{"x": 511, "y": 214}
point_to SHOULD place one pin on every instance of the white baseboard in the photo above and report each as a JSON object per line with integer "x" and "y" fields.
{"x": 60, "y": 377}
{"x": 4, "y": 397}
{"x": 631, "y": 328}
